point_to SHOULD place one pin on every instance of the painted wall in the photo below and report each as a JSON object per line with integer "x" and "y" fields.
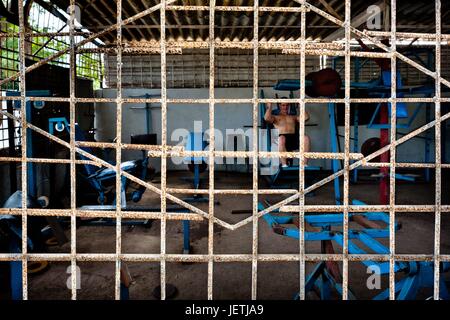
{"x": 229, "y": 116}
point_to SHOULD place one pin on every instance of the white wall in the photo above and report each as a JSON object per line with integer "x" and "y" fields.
{"x": 229, "y": 116}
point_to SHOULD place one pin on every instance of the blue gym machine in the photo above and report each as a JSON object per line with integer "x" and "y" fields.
{"x": 97, "y": 177}
{"x": 380, "y": 88}
{"x": 11, "y": 235}
{"x": 325, "y": 275}
{"x": 417, "y": 274}
{"x": 287, "y": 173}
{"x": 11, "y": 226}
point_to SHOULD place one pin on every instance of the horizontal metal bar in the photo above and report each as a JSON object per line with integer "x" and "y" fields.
{"x": 233, "y": 8}
{"x": 261, "y": 154}
{"x": 128, "y": 146}
{"x": 198, "y": 258}
{"x": 47, "y": 160}
{"x": 407, "y": 35}
{"x": 365, "y": 208}
{"x": 231, "y": 101}
{"x": 195, "y": 217}
{"x": 43, "y": 34}
{"x": 232, "y": 191}
{"x": 101, "y": 214}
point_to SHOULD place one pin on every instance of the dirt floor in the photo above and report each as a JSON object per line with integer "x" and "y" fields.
{"x": 276, "y": 280}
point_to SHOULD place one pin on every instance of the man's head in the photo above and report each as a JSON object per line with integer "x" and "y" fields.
{"x": 284, "y": 107}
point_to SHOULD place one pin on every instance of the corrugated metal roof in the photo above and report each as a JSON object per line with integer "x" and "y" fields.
{"x": 417, "y": 16}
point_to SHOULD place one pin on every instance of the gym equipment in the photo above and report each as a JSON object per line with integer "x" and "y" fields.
{"x": 268, "y": 143}
{"x": 38, "y": 105}
{"x": 196, "y": 142}
{"x": 369, "y": 146}
{"x": 147, "y": 108}
{"x": 381, "y": 87}
{"x": 326, "y": 276}
{"x": 34, "y": 114}
{"x": 325, "y": 82}
{"x": 11, "y": 238}
{"x": 197, "y": 165}
{"x": 99, "y": 177}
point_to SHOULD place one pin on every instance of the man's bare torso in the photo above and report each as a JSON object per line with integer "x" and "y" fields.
{"x": 285, "y": 123}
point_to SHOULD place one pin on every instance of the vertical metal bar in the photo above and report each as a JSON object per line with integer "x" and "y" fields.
{"x": 301, "y": 172}
{"x": 357, "y": 71}
{"x": 11, "y": 147}
{"x": 164, "y": 149}
{"x": 73, "y": 204}
{"x": 428, "y": 136}
{"x": 437, "y": 116}
{"x": 118, "y": 151}
{"x": 347, "y": 70}
{"x": 393, "y": 152}
{"x": 211, "y": 149}
{"x": 255, "y": 149}
{"x": 23, "y": 128}
{"x": 355, "y": 140}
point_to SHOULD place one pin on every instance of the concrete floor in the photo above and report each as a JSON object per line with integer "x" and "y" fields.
{"x": 231, "y": 280}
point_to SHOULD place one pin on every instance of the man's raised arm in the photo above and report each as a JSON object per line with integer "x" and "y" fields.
{"x": 268, "y": 117}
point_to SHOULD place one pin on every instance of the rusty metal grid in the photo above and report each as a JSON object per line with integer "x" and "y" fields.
{"x": 164, "y": 151}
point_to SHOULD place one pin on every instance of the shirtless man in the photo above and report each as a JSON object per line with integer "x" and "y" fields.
{"x": 285, "y": 123}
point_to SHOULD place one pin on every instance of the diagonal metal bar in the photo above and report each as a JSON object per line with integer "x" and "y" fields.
{"x": 85, "y": 41}
{"x": 103, "y": 163}
{"x": 341, "y": 172}
{"x": 377, "y": 43}
{"x": 320, "y": 183}
{"x": 275, "y": 206}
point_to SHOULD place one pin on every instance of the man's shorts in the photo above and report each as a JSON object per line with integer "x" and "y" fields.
{"x": 292, "y": 142}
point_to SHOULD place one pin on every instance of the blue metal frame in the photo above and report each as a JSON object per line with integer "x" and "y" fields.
{"x": 195, "y": 142}
{"x": 31, "y": 168}
{"x": 379, "y": 88}
{"x": 418, "y": 274}
{"x": 320, "y": 276}
{"x": 335, "y": 164}
{"x": 96, "y": 176}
